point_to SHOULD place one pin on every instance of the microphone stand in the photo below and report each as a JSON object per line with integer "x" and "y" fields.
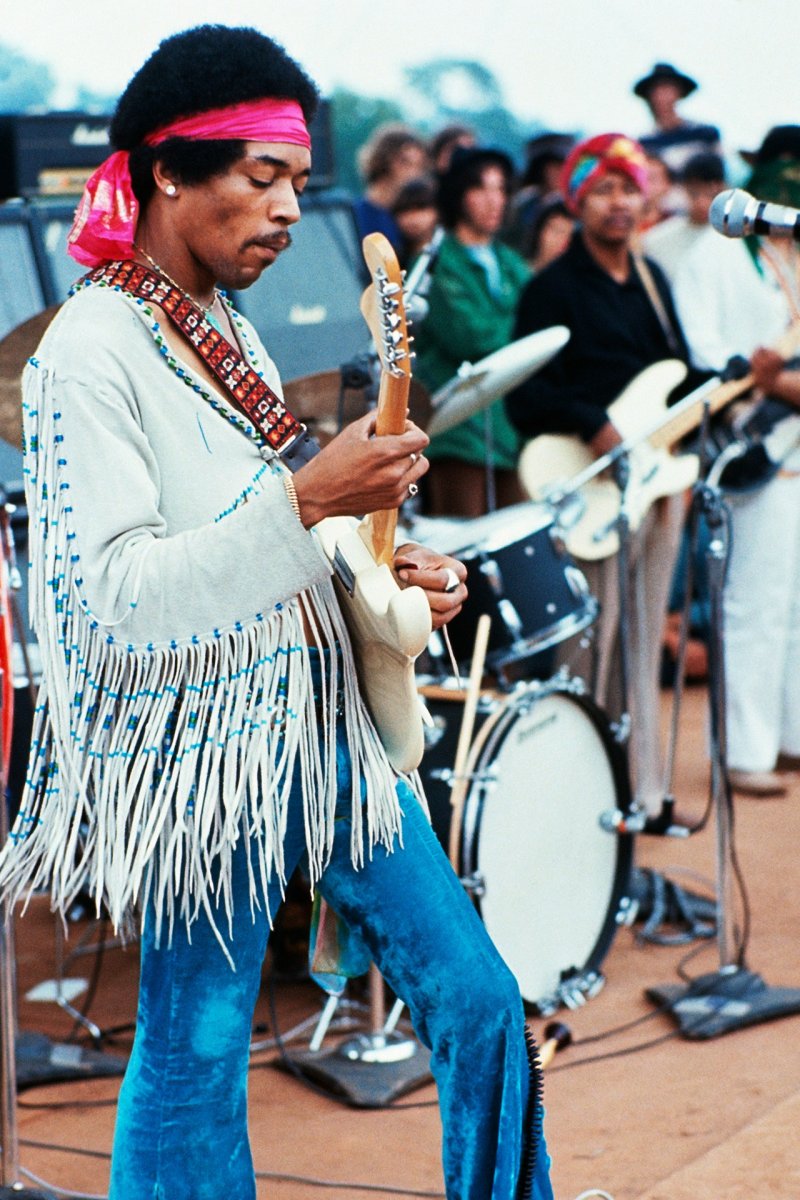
{"x": 488, "y": 444}
{"x": 663, "y": 823}
{"x": 622, "y": 478}
{"x": 731, "y": 997}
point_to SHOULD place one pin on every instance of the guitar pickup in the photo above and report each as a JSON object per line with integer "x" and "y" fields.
{"x": 344, "y": 572}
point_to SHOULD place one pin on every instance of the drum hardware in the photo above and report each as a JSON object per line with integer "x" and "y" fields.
{"x": 519, "y": 575}
{"x": 572, "y": 992}
{"x": 475, "y": 884}
{"x": 733, "y": 996}
{"x": 451, "y": 776}
{"x": 477, "y": 385}
{"x": 622, "y": 729}
{"x": 627, "y": 912}
{"x": 541, "y": 769}
{"x": 397, "y": 1062}
{"x": 567, "y": 508}
{"x": 383, "y": 1044}
{"x": 616, "y": 821}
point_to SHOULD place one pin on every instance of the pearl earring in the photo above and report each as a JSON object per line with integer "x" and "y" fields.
{"x": 170, "y": 189}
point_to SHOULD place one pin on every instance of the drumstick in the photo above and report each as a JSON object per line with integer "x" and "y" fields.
{"x": 458, "y": 791}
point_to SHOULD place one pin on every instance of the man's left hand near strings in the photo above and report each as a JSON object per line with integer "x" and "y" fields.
{"x": 441, "y": 577}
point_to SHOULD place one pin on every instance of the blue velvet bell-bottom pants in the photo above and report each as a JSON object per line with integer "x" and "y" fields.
{"x": 181, "y": 1129}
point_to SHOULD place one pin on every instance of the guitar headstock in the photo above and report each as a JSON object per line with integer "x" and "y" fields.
{"x": 383, "y": 306}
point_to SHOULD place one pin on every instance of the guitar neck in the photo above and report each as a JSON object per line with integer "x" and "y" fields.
{"x": 382, "y": 306}
{"x": 379, "y": 527}
{"x": 688, "y": 413}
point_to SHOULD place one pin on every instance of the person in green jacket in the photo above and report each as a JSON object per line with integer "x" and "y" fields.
{"x": 472, "y": 305}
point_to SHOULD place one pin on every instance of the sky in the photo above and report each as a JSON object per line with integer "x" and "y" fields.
{"x": 568, "y": 63}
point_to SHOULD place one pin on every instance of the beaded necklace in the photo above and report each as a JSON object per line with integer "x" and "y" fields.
{"x": 206, "y": 308}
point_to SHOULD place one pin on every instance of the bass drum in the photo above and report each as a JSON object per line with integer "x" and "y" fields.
{"x": 549, "y": 880}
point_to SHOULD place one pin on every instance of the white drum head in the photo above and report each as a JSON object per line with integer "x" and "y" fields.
{"x": 534, "y": 835}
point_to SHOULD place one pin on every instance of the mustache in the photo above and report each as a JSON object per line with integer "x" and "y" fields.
{"x": 281, "y": 240}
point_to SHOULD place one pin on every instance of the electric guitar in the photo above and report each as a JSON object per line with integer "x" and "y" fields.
{"x": 389, "y": 625}
{"x": 556, "y": 467}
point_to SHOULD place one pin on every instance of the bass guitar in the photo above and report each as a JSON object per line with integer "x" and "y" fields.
{"x": 389, "y": 625}
{"x": 556, "y": 467}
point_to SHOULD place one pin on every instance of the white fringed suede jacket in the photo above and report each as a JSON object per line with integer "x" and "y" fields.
{"x": 169, "y": 581}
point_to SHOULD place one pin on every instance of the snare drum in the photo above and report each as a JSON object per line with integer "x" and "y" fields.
{"x": 549, "y": 879}
{"x": 520, "y": 574}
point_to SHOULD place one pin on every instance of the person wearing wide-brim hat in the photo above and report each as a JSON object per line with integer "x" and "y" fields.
{"x": 675, "y": 139}
{"x": 661, "y": 73}
{"x": 782, "y": 142}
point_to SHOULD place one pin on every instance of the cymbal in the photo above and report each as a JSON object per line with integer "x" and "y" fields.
{"x": 15, "y": 350}
{"x": 477, "y": 385}
{"x": 319, "y": 402}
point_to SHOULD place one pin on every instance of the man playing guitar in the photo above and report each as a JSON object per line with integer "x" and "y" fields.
{"x": 621, "y": 320}
{"x": 201, "y": 727}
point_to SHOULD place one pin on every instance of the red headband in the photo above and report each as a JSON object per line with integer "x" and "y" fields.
{"x": 105, "y": 219}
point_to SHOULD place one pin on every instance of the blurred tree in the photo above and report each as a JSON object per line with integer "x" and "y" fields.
{"x": 437, "y": 93}
{"x": 452, "y": 89}
{"x": 24, "y": 83}
{"x": 89, "y": 101}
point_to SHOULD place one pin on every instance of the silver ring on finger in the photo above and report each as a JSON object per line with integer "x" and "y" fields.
{"x": 413, "y": 457}
{"x": 451, "y": 580}
{"x": 413, "y": 489}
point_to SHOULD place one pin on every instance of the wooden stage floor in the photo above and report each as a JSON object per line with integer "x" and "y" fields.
{"x": 644, "y": 1113}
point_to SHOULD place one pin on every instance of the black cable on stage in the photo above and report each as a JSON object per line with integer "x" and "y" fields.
{"x": 388, "y": 1189}
{"x": 94, "y": 980}
{"x": 57, "y": 1105}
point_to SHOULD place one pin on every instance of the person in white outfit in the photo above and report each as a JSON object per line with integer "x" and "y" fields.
{"x": 740, "y": 298}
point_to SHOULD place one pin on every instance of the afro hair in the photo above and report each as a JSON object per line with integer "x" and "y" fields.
{"x": 211, "y": 66}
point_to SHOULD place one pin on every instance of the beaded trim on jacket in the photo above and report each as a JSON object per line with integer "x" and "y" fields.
{"x": 151, "y": 756}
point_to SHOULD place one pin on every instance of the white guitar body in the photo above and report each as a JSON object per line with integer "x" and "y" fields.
{"x": 389, "y": 626}
{"x": 553, "y": 459}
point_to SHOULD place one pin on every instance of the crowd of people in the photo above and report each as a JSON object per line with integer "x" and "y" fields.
{"x": 609, "y": 236}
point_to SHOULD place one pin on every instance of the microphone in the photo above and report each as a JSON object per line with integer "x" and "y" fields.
{"x": 559, "y": 1036}
{"x": 418, "y": 280}
{"x": 735, "y": 213}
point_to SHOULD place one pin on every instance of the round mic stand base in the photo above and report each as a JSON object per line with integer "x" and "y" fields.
{"x": 372, "y": 1069}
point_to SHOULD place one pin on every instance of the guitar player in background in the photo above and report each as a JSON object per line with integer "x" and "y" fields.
{"x": 200, "y": 713}
{"x": 621, "y": 319}
{"x": 738, "y": 298}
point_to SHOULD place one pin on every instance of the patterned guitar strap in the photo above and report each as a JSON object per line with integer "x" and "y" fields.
{"x": 247, "y": 391}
